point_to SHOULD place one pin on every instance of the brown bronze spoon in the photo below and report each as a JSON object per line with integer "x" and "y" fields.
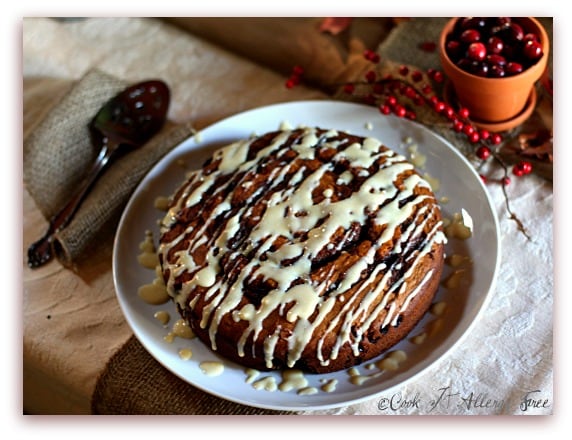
{"x": 125, "y": 122}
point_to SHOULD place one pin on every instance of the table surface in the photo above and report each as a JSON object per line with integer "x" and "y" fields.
{"x": 66, "y": 344}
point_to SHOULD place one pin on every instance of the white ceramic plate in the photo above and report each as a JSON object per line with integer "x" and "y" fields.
{"x": 458, "y": 182}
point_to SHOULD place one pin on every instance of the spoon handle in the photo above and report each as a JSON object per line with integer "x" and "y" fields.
{"x": 41, "y": 251}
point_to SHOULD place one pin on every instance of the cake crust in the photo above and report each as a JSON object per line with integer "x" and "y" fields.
{"x": 307, "y": 248}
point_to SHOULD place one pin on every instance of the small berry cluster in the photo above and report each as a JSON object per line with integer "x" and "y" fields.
{"x": 295, "y": 77}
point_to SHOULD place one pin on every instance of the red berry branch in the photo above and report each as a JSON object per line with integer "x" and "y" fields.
{"x": 410, "y": 93}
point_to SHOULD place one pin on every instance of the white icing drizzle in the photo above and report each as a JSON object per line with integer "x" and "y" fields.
{"x": 306, "y": 229}
{"x": 212, "y": 368}
{"x": 292, "y": 379}
{"x": 251, "y": 375}
{"x": 329, "y": 386}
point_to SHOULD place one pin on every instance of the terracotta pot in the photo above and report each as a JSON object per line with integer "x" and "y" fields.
{"x": 496, "y": 102}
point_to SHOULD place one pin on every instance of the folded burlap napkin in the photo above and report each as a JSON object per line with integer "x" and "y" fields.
{"x": 58, "y": 153}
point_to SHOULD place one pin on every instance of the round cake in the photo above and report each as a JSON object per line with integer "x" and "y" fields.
{"x": 306, "y": 248}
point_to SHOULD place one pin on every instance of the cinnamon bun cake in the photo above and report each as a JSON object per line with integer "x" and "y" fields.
{"x": 306, "y": 248}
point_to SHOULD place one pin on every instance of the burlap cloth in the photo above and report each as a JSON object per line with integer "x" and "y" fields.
{"x": 134, "y": 383}
{"x": 59, "y": 152}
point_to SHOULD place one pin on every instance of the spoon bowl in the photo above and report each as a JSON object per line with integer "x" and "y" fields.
{"x": 127, "y": 121}
{"x": 133, "y": 116}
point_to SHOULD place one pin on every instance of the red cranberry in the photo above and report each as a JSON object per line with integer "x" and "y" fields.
{"x": 496, "y": 138}
{"x": 498, "y": 30}
{"x": 427, "y": 89}
{"x": 468, "y": 129}
{"x": 477, "y": 51}
{"x": 411, "y": 115}
{"x": 514, "y": 32}
{"x": 503, "y": 31}
{"x": 526, "y": 166}
{"x": 370, "y": 76}
{"x": 385, "y": 109}
{"x": 495, "y": 45}
{"x": 497, "y": 71}
{"x": 438, "y": 77}
{"x": 532, "y": 50}
{"x": 470, "y": 36}
{"x": 464, "y": 64}
{"x": 439, "y": 106}
{"x": 483, "y": 152}
{"x": 474, "y": 137}
{"x": 521, "y": 168}
{"x": 513, "y": 68}
{"x": 494, "y": 58}
{"x": 410, "y": 92}
{"x": 400, "y": 111}
{"x": 454, "y": 49}
{"x": 480, "y": 69}
{"x": 417, "y": 76}
{"x": 503, "y": 21}
{"x": 530, "y": 37}
{"x": 449, "y": 112}
{"x": 473, "y": 23}
{"x": 370, "y": 55}
{"x": 463, "y": 112}
{"x": 428, "y": 46}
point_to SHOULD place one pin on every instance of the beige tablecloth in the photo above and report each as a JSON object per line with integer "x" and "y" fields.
{"x": 72, "y": 323}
